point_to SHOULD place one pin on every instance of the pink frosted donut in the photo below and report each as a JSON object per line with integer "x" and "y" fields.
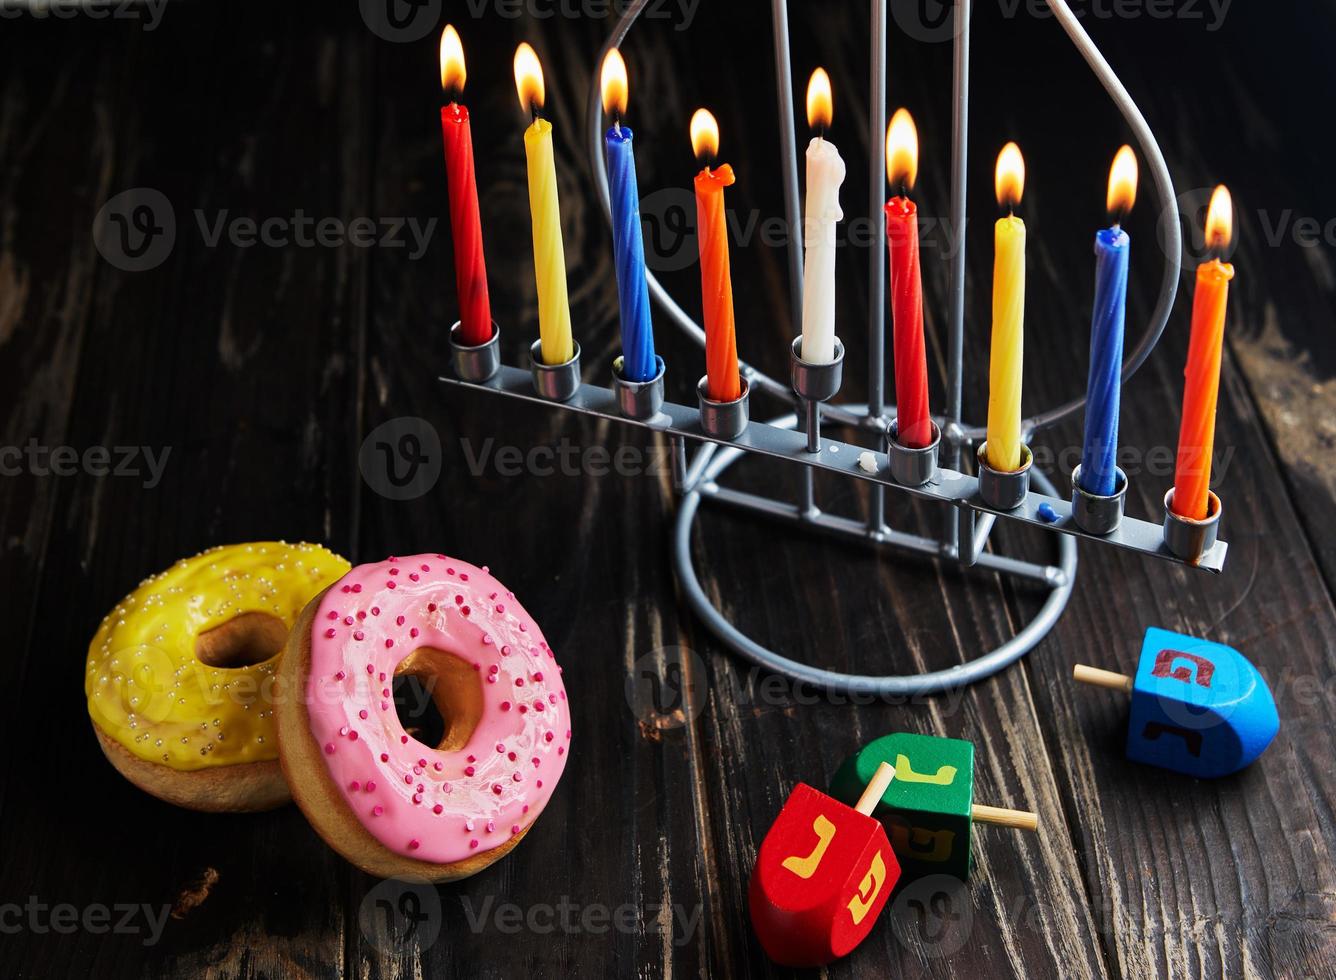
{"x": 387, "y": 802}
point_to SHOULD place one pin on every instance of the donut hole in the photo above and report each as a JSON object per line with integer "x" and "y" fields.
{"x": 438, "y": 698}
{"x": 251, "y": 638}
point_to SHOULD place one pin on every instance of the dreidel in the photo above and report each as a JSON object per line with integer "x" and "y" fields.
{"x": 929, "y": 810}
{"x": 822, "y": 875}
{"x": 1199, "y": 708}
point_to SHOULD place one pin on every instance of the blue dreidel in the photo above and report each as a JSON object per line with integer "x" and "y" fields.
{"x": 1199, "y": 708}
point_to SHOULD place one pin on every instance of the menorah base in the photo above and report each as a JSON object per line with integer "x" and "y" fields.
{"x": 698, "y": 482}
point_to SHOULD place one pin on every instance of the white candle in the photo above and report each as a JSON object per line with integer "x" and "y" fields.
{"x": 825, "y": 174}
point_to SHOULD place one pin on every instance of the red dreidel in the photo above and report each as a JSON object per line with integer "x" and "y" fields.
{"x": 822, "y": 875}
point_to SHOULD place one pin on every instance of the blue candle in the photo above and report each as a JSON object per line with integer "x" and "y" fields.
{"x": 1099, "y": 453}
{"x": 638, "y": 361}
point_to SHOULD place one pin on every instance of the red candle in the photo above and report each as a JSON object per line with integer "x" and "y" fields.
{"x": 721, "y": 346}
{"x": 475, "y": 308}
{"x": 1196, "y": 437}
{"x": 913, "y": 421}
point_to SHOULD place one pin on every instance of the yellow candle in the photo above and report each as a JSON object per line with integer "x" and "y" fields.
{"x": 1005, "y": 369}
{"x": 549, "y": 258}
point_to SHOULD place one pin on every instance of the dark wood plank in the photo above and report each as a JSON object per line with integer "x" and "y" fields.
{"x": 195, "y": 356}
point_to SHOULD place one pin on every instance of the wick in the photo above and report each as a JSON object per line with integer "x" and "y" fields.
{"x": 617, "y": 124}
{"x": 535, "y": 111}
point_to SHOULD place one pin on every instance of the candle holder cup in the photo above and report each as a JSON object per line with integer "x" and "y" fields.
{"x": 1096, "y": 513}
{"x": 555, "y": 382}
{"x": 1000, "y": 489}
{"x": 639, "y": 400}
{"x": 816, "y": 382}
{"x": 475, "y": 364}
{"x": 1190, "y": 539}
{"x": 912, "y": 467}
{"x": 723, "y": 420}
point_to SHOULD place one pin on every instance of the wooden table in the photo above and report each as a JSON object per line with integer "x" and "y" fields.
{"x": 260, "y": 370}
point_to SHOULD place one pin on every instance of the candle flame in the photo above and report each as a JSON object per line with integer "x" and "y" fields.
{"x": 1220, "y": 219}
{"x": 1122, "y": 182}
{"x": 820, "y": 100}
{"x": 453, "y": 72}
{"x": 704, "y": 135}
{"x": 614, "y": 84}
{"x": 1009, "y": 178}
{"x": 902, "y": 150}
{"x": 529, "y": 78}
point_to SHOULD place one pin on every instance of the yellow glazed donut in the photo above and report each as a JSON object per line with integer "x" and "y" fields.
{"x": 180, "y": 674}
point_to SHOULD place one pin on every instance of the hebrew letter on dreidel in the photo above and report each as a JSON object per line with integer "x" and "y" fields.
{"x": 919, "y": 843}
{"x": 1164, "y": 667}
{"x": 1191, "y": 739}
{"x": 869, "y": 889}
{"x": 905, "y": 773}
{"x": 805, "y": 867}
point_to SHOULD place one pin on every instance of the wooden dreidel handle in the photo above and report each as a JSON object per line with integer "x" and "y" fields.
{"x": 1000, "y": 816}
{"x": 822, "y": 875}
{"x": 1199, "y": 708}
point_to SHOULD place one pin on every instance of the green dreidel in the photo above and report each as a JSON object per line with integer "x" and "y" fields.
{"x": 929, "y": 809}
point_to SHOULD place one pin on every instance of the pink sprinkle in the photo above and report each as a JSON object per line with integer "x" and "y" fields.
{"x": 390, "y": 584}
{"x": 473, "y": 758}
{"x": 414, "y": 576}
{"x": 413, "y": 845}
{"x": 388, "y": 644}
{"x": 343, "y": 730}
{"x": 505, "y": 705}
{"x": 540, "y": 784}
{"x": 468, "y": 824}
{"x": 459, "y": 600}
{"x": 437, "y": 766}
{"x": 491, "y": 678}
{"x": 463, "y": 576}
{"x": 524, "y": 709}
{"x": 394, "y": 571}
{"x": 538, "y": 706}
{"x": 370, "y": 785}
{"x": 362, "y": 714}
{"x": 385, "y": 756}
{"x": 551, "y": 699}
{"x": 403, "y": 739}
{"x": 332, "y": 615}
{"x": 329, "y": 748}
{"x": 408, "y": 779}
{"x": 437, "y": 808}
{"x": 510, "y": 756}
{"x": 473, "y": 844}
{"x": 516, "y": 777}
{"x": 377, "y": 810}
{"x": 519, "y": 681}
{"x": 340, "y": 676}
{"x": 548, "y": 736}
{"x": 357, "y": 587}
{"x": 375, "y": 610}
{"x": 361, "y": 614}
{"x": 491, "y": 826}
{"x": 500, "y": 607}
{"x": 352, "y": 736}
{"x": 399, "y": 621}
{"x": 538, "y": 675}
{"x": 500, "y": 747}
{"x": 357, "y": 635}
{"x": 431, "y": 607}
{"x": 347, "y": 588}
{"x": 354, "y": 786}
{"x": 384, "y": 706}
{"x": 425, "y": 568}
{"x": 496, "y": 788}
{"x": 561, "y": 750}
{"x": 449, "y": 571}
{"x": 417, "y": 797}
{"x": 465, "y": 610}
{"x": 369, "y": 668}
{"x": 422, "y": 763}
{"x": 469, "y": 770}
{"x": 382, "y": 677}
{"x": 505, "y": 649}
{"x": 413, "y": 632}
{"x": 536, "y": 762}
{"x": 493, "y": 669}
{"x": 514, "y": 828}
{"x": 487, "y": 637}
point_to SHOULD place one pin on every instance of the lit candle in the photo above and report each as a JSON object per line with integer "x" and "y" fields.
{"x": 549, "y": 259}
{"x": 1004, "y": 375}
{"x": 1196, "y": 438}
{"x": 475, "y": 309}
{"x": 1099, "y": 451}
{"x": 638, "y": 361}
{"x": 825, "y": 174}
{"x": 716, "y": 284}
{"x": 913, "y": 422}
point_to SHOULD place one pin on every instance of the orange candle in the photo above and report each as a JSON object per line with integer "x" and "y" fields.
{"x": 716, "y": 282}
{"x": 1196, "y": 438}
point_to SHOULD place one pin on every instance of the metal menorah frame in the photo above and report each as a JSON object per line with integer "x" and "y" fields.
{"x": 798, "y": 437}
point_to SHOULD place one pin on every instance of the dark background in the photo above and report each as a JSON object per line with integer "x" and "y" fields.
{"x": 263, "y": 369}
